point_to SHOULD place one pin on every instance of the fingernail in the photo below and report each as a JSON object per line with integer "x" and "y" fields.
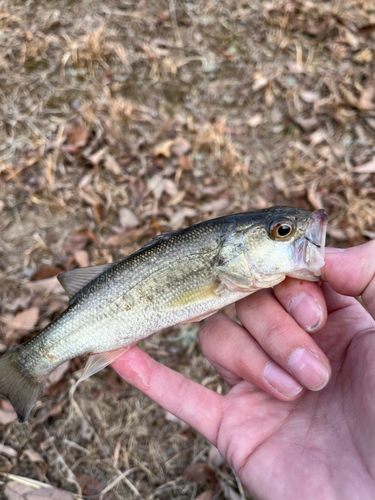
{"x": 281, "y": 380}
{"x": 306, "y": 311}
{"x": 308, "y": 369}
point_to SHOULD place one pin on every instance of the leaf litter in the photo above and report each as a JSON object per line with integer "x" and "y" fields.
{"x": 122, "y": 121}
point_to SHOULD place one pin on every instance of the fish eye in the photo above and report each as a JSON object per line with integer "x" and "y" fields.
{"x": 281, "y": 229}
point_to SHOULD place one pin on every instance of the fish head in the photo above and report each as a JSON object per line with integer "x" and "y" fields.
{"x": 287, "y": 241}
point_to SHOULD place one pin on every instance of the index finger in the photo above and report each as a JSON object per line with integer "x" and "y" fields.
{"x": 352, "y": 272}
{"x": 196, "y": 405}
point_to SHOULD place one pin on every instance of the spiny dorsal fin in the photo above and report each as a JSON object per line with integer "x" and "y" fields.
{"x": 167, "y": 235}
{"x": 75, "y": 279}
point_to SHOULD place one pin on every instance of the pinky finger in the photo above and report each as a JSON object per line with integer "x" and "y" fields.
{"x": 196, "y": 405}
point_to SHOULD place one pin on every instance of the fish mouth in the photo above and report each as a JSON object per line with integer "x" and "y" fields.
{"x": 308, "y": 251}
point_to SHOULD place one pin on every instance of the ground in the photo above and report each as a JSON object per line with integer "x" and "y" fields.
{"x": 123, "y": 119}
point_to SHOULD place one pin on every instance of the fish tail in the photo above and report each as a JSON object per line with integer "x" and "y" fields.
{"x": 19, "y": 387}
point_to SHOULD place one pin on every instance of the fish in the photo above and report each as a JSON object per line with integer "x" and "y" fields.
{"x": 179, "y": 276}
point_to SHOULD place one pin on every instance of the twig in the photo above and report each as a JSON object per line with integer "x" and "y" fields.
{"x": 119, "y": 478}
{"x": 176, "y": 31}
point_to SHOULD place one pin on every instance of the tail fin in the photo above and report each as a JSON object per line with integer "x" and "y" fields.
{"x": 19, "y": 388}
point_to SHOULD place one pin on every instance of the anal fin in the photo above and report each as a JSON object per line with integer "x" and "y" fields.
{"x": 97, "y": 362}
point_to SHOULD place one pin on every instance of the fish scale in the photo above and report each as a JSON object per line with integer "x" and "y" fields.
{"x": 179, "y": 276}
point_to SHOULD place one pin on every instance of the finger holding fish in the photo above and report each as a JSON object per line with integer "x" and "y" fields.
{"x": 284, "y": 340}
{"x": 269, "y": 353}
{"x": 237, "y": 356}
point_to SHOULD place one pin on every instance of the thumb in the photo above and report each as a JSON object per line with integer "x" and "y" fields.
{"x": 352, "y": 272}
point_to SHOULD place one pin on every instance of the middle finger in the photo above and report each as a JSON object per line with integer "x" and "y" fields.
{"x": 283, "y": 339}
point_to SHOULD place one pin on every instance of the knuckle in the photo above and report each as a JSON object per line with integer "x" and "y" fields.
{"x": 275, "y": 334}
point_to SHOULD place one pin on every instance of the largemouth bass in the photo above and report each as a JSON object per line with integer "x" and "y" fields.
{"x": 180, "y": 276}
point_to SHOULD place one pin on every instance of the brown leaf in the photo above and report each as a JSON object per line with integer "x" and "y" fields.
{"x": 46, "y": 272}
{"x": 25, "y": 320}
{"x": 33, "y": 456}
{"x": 164, "y": 149}
{"x": 128, "y": 219}
{"x": 181, "y": 146}
{"x": 111, "y": 164}
{"x": 82, "y": 258}
{"x": 367, "y": 96}
{"x": 79, "y": 136}
{"x": 78, "y": 240}
{"x": 200, "y": 473}
{"x": 185, "y": 163}
{"x": 216, "y": 205}
{"x": 363, "y": 57}
{"x": 126, "y": 237}
{"x": 365, "y": 168}
{"x": 90, "y": 486}
{"x": 7, "y": 451}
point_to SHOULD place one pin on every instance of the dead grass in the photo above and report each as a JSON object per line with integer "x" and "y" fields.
{"x": 176, "y": 112}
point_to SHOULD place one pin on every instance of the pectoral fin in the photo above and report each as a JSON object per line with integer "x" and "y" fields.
{"x": 97, "y": 362}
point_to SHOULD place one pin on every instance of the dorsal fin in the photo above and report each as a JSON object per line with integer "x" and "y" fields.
{"x": 75, "y": 279}
{"x": 167, "y": 235}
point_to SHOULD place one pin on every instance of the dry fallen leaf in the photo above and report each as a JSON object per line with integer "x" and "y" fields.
{"x": 185, "y": 163}
{"x": 363, "y": 57}
{"x": 78, "y": 240}
{"x": 307, "y": 124}
{"x": 7, "y": 451}
{"x": 79, "y": 136}
{"x": 255, "y": 120}
{"x": 90, "y": 486}
{"x": 33, "y": 456}
{"x": 308, "y": 96}
{"x": 260, "y": 81}
{"x": 365, "y": 168}
{"x": 200, "y": 473}
{"x": 6, "y": 417}
{"x": 111, "y": 165}
{"x": 181, "y": 146}
{"x": 128, "y": 219}
{"x": 82, "y": 258}
{"x": 215, "y": 206}
{"x": 46, "y": 272}
{"x": 25, "y": 320}
{"x": 164, "y": 148}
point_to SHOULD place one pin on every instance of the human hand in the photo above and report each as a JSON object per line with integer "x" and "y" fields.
{"x": 282, "y": 440}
